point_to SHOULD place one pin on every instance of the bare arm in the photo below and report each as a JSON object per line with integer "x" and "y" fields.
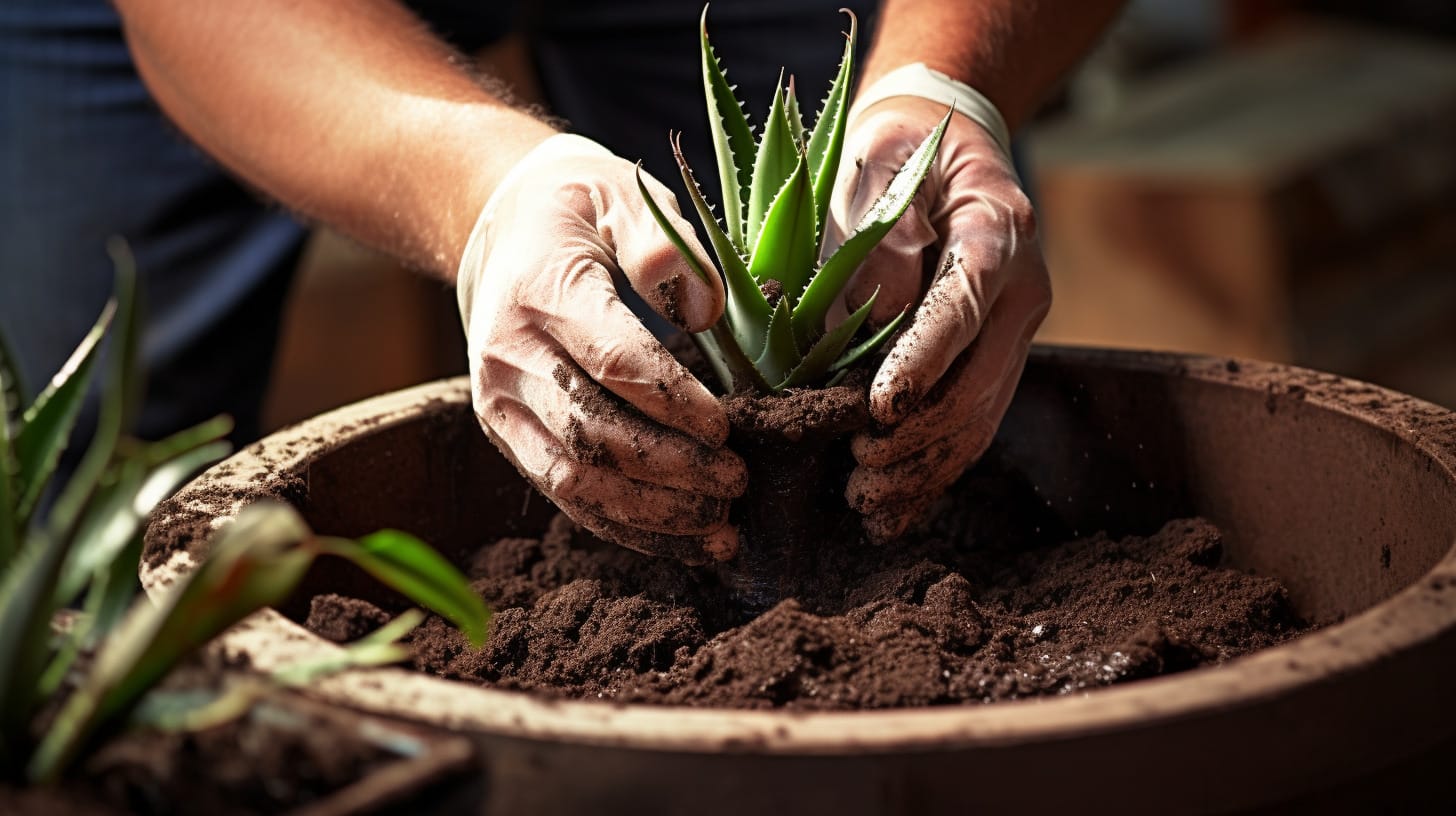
{"x": 1013, "y": 51}
{"x": 351, "y": 113}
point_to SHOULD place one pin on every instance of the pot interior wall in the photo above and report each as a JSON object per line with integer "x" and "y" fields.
{"x": 1344, "y": 512}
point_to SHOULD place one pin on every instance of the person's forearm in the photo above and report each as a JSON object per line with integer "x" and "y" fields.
{"x": 1013, "y": 51}
{"x": 350, "y": 113}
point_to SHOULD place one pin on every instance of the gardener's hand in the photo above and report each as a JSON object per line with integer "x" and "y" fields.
{"x": 947, "y": 380}
{"x": 568, "y": 383}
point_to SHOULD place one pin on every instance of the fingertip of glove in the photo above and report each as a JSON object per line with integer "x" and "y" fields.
{"x": 700, "y": 304}
{"x": 677, "y": 292}
{"x": 709, "y": 424}
{"x": 882, "y": 528}
{"x": 721, "y": 544}
{"x": 892, "y": 396}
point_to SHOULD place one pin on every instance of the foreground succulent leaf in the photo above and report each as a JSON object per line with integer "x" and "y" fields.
{"x": 116, "y": 513}
{"x": 256, "y": 562}
{"x": 732, "y": 138}
{"x": 826, "y": 143}
{"x": 47, "y": 424}
{"x": 835, "y": 273}
{"x": 378, "y": 648}
{"x": 120, "y": 392}
{"x": 12, "y": 387}
{"x": 11, "y": 397}
{"x": 26, "y": 607}
{"x": 200, "y": 709}
{"x": 10, "y": 535}
{"x": 410, "y": 566}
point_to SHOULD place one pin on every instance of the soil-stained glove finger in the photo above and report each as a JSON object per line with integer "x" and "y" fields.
{"x": 607, "y": 341}
{"x": 576, "y": 484}
{"x": 974, "y": 265}
{"x": 693, "y": 550}
{"x": 892, "y": 487}
{"x": 984, "y": 374}
{"x": 894, "y": 267}
{"x": 884, "y": 526}
{"x": 654, "y": 267}
{"x": 595, "y": 427}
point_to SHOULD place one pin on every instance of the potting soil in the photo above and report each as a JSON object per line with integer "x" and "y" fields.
{"x": 992, "y": 602}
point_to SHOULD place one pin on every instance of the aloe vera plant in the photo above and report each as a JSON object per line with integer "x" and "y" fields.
{"x": 88, "y": 545}
{"x": 776, "y": 192}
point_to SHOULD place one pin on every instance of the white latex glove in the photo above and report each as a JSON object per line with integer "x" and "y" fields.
{"x": 949, "y": 377}
{"x": 567, "y": 381}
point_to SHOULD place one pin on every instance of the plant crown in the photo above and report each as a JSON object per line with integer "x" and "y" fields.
{"x": 776, "y": 192}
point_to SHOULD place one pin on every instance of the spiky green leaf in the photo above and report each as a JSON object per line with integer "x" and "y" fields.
{"x": 791, "y": 112}
{"x": 26, "y": 606}
{"x": 734, "y": 368}
{"x": 410, "y": 566}
{"x": 827, "y": 140}
{"x": 787, "y": 244}
{"x": 673, "y": 235}
{"x": 778, "y": 154}
{"x": 836, "y": 271}
{"x": 114, "y": 517}
{"x": 12, "y": 397}
{"x": 187, "y": 440}
{"x": 780, "y": 352}
{"x": 12, "y": 386}
{"x": 826, "y": 349}
{"x": 120, "y": 394}
{"x": 47, "y": 424}
{"x": 868, "y": 346}
{"x": 747, "y": 309}
{"x": 732, "y": 139}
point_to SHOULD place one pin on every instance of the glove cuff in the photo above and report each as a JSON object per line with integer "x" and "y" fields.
{"x": 916, "y": 79}
{"x": 477, "y": 248}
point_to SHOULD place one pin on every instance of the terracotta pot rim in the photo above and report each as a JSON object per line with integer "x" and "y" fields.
{"x": 1403, "y": 622}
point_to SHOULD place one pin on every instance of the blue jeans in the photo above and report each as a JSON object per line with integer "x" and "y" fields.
{"x": 85, "y": 155}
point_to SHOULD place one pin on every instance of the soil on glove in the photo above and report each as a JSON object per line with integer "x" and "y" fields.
{"x": 992, "y": 602}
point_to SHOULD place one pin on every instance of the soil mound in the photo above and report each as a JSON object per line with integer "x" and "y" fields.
{"x": 992, "y": 602}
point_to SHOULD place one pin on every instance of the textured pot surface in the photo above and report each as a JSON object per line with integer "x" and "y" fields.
{"x": 1344, "y": 491}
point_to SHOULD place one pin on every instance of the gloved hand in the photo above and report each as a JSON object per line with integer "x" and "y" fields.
{"x": 949, "y": 377}
{"x": 567, "y": 381}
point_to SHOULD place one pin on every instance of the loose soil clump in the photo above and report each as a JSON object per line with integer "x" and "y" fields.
{"x": 994, "y": 601}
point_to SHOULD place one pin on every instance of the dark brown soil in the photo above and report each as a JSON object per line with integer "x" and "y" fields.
{"x": 991, "y": 603}
{"x": 281, "y": 753}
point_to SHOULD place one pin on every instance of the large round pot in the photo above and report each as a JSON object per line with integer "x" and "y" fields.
{"x": 1344, "y": 491}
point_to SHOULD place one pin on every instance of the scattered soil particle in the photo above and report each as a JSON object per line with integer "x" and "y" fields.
{"x": 972, "y": 610}
{"x": 667, "y": 296}
{"x": 773, "y": 291}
